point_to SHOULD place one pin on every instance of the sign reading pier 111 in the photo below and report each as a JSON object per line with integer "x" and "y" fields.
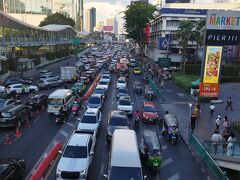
{"x": 222, "y": 28}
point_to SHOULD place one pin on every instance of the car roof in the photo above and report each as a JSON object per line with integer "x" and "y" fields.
{"x": 117, "y": 113}
{"x": 15, "y": 84}
{"x": 78, "y": 139}
{"x": 148, "y": 103}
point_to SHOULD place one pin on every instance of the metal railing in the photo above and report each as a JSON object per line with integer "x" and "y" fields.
{"x": 206, "y": 158}
{"x": 221, "y": 148}
{"x": 158, "y": 92}
{"x": 234, "y": 123}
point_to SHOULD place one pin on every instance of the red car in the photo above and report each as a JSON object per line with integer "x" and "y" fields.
{"x": 149, "y": 112}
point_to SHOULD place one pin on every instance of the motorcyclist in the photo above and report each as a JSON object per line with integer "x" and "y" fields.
{"x": 137, "y": 114}
{"x": 62, "y": 114}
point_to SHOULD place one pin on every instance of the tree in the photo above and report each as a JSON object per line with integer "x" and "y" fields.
{"x": 136, "y": 16}
{"x": 184, "y": 35}
{"x": 57, "y": 18}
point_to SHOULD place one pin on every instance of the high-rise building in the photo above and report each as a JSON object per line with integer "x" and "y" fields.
{"x": 114, "y": 23}
{"x": 90, "y": 22}
{"x": 100, "y": 25}
{"x": 34, "y": 11}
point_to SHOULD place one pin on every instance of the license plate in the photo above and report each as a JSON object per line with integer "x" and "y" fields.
{"x": 151, "y": 120}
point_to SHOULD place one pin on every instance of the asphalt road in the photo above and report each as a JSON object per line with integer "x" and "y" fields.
{"x": 178, "y": 162}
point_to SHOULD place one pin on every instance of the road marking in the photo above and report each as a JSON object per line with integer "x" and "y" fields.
{"x": 158, "y": 178}
{"x": 168, "y": 90}
{"x": 166, "y": 162}
{"x": 174, "y": 177}
{"x": 181, "y": 94}
{"x": 181, "y": 102}
{"x": 102, "y": 169}
{"x": 70, "y": 124}
{"x": 62, "y": 132}
{"x": 164, "y": 147}
{"x": 36, "y": 120}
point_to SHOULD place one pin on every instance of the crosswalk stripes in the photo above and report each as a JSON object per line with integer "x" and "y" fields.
{"x": 181, "y": 94}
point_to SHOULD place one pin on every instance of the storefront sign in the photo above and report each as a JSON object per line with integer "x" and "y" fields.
{"x": 183, "y": 11}
{"x": 221, "y": 19}
{"x": 222, "y": 37}
{"x": 164, "y": 62}
{"x": 212, "y": 64}
{"x": 209, "y": 89}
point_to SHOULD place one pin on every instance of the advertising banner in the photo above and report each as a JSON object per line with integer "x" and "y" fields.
{"x": 108, "y": 28}
{"x": 212, "y": 64}
{"x": 209, "y": 89}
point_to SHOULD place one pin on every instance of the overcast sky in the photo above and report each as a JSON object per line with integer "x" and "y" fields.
{"x": 110, "y": 8}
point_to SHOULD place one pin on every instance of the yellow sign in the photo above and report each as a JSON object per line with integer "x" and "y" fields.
{"x": 212, "y": 64}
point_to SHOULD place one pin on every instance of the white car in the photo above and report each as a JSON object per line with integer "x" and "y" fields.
{"x": 90, "y": 121}
{"x": 106, "y": 78}
{"x": 76, "y": 157}
{"x": 2, "y": 89}
{"x": 121, "y": 83}
{"x": 124, "y": 104}
{"x": 21, "y": 88}
{"x": 103, "y": 85}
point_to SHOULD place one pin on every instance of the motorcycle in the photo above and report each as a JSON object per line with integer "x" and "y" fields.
{"x": 75, "y": 109}
{"x": 137, "y": 120}
{"x": 60, "y": 118}
{"x": 148, "y": 92}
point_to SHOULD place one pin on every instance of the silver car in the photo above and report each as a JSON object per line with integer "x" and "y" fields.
{"x": 50, "y": 82}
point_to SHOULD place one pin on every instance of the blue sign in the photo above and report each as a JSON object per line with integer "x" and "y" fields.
{"x": 163, "y": 42}
{"x": 183, "y": 11}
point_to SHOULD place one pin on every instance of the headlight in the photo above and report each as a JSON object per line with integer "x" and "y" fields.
{"x": 83, "y": 174}
{"x": 58, "y": 173}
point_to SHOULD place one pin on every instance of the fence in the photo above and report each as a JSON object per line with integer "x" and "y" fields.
{"x": 234, "y": 123}
{"x": 158, "y": 92}
{"x": 206, "y": 158}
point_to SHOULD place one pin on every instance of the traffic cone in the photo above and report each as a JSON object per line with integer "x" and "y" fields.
{"x": 7, "y": 140}
{"x": 27, "y": 124}
{"x": 17, "y": 134}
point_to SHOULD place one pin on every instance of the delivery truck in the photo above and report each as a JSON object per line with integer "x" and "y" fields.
{"x": 68, "y": 72}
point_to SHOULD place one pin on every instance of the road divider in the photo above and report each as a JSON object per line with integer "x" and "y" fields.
{"x": 91, "y": 89}
{"x": 46, "y": 162}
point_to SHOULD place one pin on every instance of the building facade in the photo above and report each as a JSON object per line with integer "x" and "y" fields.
{"x": 163, "y": 42}
{"x": 34, "y": 11}
{"x": 90, "y": 22}
{"x": 114, "y": 23}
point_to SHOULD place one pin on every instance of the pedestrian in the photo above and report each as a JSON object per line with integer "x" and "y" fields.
{"x": 226, "y": 135}
{"x": 230, "y": 146}
{"x": 226, "y": 123}
{"x": 193, "y": 121}
{"x": 216, "y": 138}
{"x": 218, "y": 121}
{"x": 198, "y": 108}
{"x": 229, "y": 104}
{"x": 212, "y": 109}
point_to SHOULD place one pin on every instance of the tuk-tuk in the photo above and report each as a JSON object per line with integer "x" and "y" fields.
{"x": 170, "y": 127}
{"x": 78, "y": 88}
{"x": 148, "y": 92}
{"x": 137, "y": 87}
{"x": 151, "y": 150}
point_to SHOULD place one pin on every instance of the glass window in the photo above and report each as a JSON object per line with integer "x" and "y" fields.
{"x": 118, "y": 121}
{"x": 149, "y": 109}
{"x": 94, "y": 100}
{"x": 55, "y": 101}
{"x": 89, "y": 119}
{"x": 75, "y": 152}
{"x": 125, "y": 102}
{"x": 89, "y": 145}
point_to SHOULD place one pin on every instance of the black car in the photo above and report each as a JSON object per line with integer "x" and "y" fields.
{"x": 14, "y": 115}
{"x": 117, "y": 120}
{"x": 6, "y": 102}
{"x": 16, "y": 80}
{"x": 37, "y": 101}
{"x": 12, "y": 168}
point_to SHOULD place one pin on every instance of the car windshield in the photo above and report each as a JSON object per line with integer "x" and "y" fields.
{"x": 94, "y": 100}
{"x": 55, "y": 101}
{"x": 121, "y": 82}
{"x": 89, "y": 119}
{"x": 2, "y": 102}
{"x": 103, "y": 83}
{"x": 98, "y": 91}
{"x": 130, "y": 173}
{"x": 75, "y": 152}
{"x": 105, "y": 77}
{"x": 118, "y": 121}
{"x": 149, "y": 109}
{"x": 125, "y": 102}
{"x": 122, "y": 91}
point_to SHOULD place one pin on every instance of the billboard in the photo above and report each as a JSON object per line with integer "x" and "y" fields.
{"x": 108, "y": 28}
{"x": 212, "y": 64}
{"x": 209, "y": 89}
{"x": 177, "y": 1}
{"x": 63, "y": 6}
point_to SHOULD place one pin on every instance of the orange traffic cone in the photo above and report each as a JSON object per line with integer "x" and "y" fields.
{"x": 17, "y": 134}
{"x": 27, "y": 124}
{"x": 7, "y": 140}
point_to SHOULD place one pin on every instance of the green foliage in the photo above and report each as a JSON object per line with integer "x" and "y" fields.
{"x": 193, "y": 69}
{"x": 226, "y": 79}
{"x": 50, "y": 56}
{"x": 5, "y": 67}
{"x": 37, "y": 60}
{"x": 57, "y": 18}
{"x": 230, "y": 70}
{"x": 136, "y": 17}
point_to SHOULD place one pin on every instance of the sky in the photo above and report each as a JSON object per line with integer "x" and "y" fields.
{"x": 110, "y": 8}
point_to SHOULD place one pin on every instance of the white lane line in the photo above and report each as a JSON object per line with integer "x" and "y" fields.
{"x": 174, "y": 177}
{"x": 36, "y": 120}
{"x": 164, "y": 147}
{"x": 183, "y": 102}
{"x": 62, "y": 132}
{"x": 166, "y": 162}
{"x": 102, "y": 169}
{"x": 181, "y": 94}
{"x": 70, "y": 124}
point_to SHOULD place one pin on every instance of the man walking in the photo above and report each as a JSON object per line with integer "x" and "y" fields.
{"x": 212, "y": 109}
{"x": 229, "y": 104}
{"x": 193, "y": 121}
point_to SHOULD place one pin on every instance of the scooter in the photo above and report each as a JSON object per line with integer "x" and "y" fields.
{"x": 75, "y": 109}
{"x": 60, "y": 118}
{"x": 137, "y": 121}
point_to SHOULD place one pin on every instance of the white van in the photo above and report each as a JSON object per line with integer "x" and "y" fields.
{"x": 124, "y": 158}
{"x": 60, "y": 98}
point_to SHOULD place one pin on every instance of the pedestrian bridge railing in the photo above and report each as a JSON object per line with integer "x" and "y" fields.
{"x": 206, "y": 158}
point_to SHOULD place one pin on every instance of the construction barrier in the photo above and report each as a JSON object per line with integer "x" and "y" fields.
{"x": 91, "y": 89}
{"x": 45, "y": 163}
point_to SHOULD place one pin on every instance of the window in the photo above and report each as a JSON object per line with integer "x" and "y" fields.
{"x": 89, "y": 145}
{"x": 118, "y": 121}
{"x": 149, "y": 109}
{"x": 89, "y": 119}
{"x": 172, "y": 23}
{"x": 55, "y": 101}
{"x": 75, "y": 152}
{"x": 67, "y": 99}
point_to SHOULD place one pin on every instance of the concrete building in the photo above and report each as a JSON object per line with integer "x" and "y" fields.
{"x": 100, "y": 25}
{"x": 90, "y": 22}
{"x": 163, "y": 43}
{"x": 114, "y": 23}
{"x": 34, "y": 11}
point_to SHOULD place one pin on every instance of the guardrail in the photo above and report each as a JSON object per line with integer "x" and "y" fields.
{"x": 91, "y": 88}
{"x": 234, "y": 123}
{"x": 206, "y": 158}
{"x": 158, "y": 92}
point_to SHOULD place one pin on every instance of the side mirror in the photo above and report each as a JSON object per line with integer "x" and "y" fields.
{"x": 145, "y": 177}
{"x": 59, "y": 152}
{"x": 91, "y": 153}
{"x": 105, "y": 176}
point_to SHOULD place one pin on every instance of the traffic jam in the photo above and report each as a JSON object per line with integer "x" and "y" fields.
{"x": 79, "y": 95}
